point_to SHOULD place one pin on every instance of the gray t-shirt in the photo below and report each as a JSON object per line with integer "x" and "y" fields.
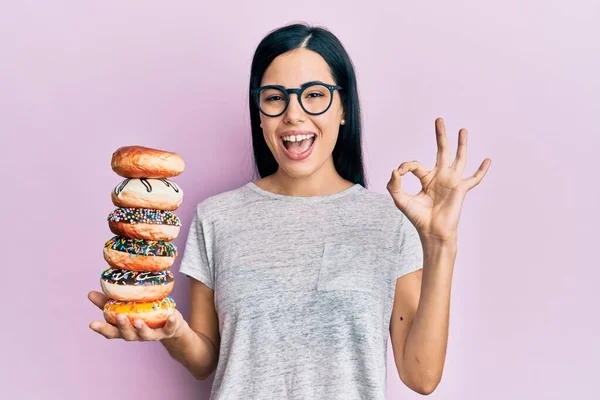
{"x": 304, "y": 289}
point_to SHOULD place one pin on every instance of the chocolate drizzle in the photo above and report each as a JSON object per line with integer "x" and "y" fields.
{"x": 147, "y": 185}
{"x": 171, "y": 185}
{"x": 135, "y": 278}
{"x": 121, "y": 186}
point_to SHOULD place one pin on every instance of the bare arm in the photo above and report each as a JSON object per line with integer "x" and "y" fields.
{"x": 420, "y": 319}
{"x": 196, "y": 345}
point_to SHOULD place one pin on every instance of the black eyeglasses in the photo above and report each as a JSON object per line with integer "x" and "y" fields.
{"x": 315, "y": 98}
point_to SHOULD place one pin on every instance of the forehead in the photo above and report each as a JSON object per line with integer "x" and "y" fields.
{"x": 296, "y": 67}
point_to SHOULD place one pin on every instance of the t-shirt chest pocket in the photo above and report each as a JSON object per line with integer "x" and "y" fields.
{"x": 346, "y": 267}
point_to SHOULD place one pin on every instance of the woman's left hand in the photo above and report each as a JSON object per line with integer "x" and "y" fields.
{"x": 435, "y": 210}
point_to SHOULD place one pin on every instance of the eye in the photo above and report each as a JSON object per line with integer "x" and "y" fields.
{"x": 314, "y": 95}
{"x": 274, "y": 98}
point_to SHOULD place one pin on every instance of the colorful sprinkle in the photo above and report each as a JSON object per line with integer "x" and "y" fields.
{"x": 141, "y": 247}
{"x": 139, "y": 307}
{"x": 144, "y": 216}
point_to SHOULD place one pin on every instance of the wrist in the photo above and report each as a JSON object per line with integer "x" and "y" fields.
{"x": 438, "y": 250}
{"x": 433, "y": 242}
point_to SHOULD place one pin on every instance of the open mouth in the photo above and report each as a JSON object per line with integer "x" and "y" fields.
{"x": 298, "y": 144}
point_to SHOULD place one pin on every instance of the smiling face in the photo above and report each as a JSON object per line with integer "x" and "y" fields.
{"x": 301, "y": 143}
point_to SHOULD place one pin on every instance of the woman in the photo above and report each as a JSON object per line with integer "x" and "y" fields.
{"x": 299, "y": 277}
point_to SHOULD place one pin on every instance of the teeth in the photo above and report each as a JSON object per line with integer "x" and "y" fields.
{"x": 297, "y": 138}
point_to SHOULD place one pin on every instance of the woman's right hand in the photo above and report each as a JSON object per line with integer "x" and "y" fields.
{"x": 138, "y": 331}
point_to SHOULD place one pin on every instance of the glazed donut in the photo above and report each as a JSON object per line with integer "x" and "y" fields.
{"x": 158, "y": 194}
{"x": 144, "y": 223}
{"x": 139, "y": 254}
{"x": 144, "y": 162}
{"x": 153, "y": 313}
{"x": 124, "y": 285}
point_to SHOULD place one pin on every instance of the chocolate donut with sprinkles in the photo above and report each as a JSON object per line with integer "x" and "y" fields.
{"x": 144, "y": 223}
{"x": 139, "y": 254}
{"x": 125, "y": 285}
{"x": 153, "y": 313}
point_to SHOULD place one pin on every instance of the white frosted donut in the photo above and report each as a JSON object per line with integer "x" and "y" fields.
{"x": 139, "y": 254}
{"x": 124, "y": 285}
{"x": 144, "y": 223}
{"x": 153, "y": 313}
{"x": 159, "y": 194}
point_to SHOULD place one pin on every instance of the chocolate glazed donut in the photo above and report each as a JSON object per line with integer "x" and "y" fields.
{"x": 139, "y": 254}
{"x": 144, "y": 223}
{"x": 127, "y": 285}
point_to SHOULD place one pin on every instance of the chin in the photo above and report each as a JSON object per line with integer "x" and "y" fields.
{"x": 299, "y": 170}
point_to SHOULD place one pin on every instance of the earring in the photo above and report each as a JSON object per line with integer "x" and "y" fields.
{"x": 343, "y": 122}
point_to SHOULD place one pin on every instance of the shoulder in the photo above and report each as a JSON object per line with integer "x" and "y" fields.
{"x": 219, "y": 205}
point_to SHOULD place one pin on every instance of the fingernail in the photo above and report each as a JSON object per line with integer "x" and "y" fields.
{"x": 137, "y": 323}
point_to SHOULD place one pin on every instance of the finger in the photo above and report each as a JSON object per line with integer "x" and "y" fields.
{"x": 98, "y": 298}
{"x": 144, "y": 331}
{"x": 126, "y": 330}
{"x": 461, "y": 152}
{"x": 106, "y": 330}
{"x": 474, "y": 180}
{"x": 394, "y": 186}
{"x": 415, "y": 167}
{"x": 443, "y": 155}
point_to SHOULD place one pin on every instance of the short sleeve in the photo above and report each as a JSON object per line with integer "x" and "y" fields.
{"x": 197, "y": 255}
{"x": 411, "y": 250}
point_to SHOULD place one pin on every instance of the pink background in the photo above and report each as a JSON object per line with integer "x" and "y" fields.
{"x": 78, "y": 80}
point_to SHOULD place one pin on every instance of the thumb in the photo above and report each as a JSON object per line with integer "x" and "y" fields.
{"x": 174, "y": 324}
{"x": 98, "y": 298}
{"x": 394, "y": 186}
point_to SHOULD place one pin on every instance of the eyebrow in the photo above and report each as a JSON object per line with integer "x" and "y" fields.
{"x": 311, "y": 83}
{"x": 303, "y": 85}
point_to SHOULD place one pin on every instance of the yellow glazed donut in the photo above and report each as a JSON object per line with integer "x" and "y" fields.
{"x": 153, "y": 313}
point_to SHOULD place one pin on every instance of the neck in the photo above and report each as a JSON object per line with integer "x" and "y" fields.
{"x": 324, "y": 181}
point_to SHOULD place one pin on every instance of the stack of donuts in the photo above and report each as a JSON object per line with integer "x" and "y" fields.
{"x": 139, "y": 282}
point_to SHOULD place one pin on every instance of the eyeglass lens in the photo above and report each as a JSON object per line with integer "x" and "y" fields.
{"x": 315, "y": 99}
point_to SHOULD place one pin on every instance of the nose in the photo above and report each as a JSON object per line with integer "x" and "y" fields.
{"x": 294, "y": 113}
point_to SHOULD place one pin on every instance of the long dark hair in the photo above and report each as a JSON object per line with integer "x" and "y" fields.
{"x": 347, "y": 153}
